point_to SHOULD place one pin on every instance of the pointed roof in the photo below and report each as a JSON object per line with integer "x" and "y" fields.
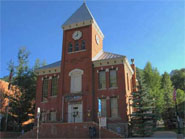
{"x": 81, "y": 14}
{"x": 81, "y": 17}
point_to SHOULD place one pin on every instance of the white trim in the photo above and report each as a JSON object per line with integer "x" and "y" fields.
{"x": 46, "y": 71}
{"x": 127, "y": 63}
{"x": 77, "y": 51}
{"x": 82, "y": 24}
{"x": 76, "y": 70}
{"x": 107, "y": 70}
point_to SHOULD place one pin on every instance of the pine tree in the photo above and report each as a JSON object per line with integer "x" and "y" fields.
{"x": 152, "y": 79}
{"x": 22, "y": 106}
{"x": 167, "y": 89}
{"x": 142, "y": 119}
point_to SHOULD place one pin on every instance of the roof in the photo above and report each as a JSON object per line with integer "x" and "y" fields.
{"x": 103, "y": 56}
{"x": 80, "y": 15}
{"x": 52, "y": 65}
{"x": 107, "y": 55}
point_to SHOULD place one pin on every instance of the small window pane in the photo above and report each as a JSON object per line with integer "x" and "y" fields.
{"x": 43, "y": 116}
{"x": 83, "y": 44}
{"x": 103, "y": 108}
{"x": 70, "y": 47}
{"x": 114, "y": 107}
{"x": 45, "y": 89}
{"x": 76, "y": 46}
{"x": 102, "y": 80}
{"x": 113, "y": 78}
{"x": 54, "y": 86}
{"x": 53, "y": 116}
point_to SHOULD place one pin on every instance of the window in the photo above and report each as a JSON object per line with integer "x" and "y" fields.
{"x": 70, "y": 47}
{"x": 76, "y": 46}
{"x": 113, "y": 78}
{"x": 103, "y": 107}
{"x": 45, "y": 90}
{"x": 76, "y": 80}
{"x": 114, "y": 107}
{"x": 43, "y": 116}
{"x": 102, "y": 80}
{"x": 53, "y": 116}
{"x": 83, "y": 44}
{"x": 54, "y": 86}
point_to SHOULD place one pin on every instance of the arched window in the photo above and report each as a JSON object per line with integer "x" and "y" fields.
{"x": 70, "y": 47}
{"x": 83, "y": 45}
{"x": 76, "y": 46}
{"x": 76, "y": 80}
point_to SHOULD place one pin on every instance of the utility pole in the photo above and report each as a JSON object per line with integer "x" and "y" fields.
{"x": 38, "y": 118}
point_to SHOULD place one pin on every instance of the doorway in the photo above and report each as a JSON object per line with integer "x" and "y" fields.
{"x": 75, "y": 114}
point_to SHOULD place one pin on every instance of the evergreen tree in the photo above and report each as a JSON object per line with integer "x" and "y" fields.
{"x": 180, "y": 96}
{"x": 178, "y": 79}
{"x": 142, "y": 118}
{"x": 152, "y": 79}
{"x": 167, "y": 89}
{"x": 22, "y": 107}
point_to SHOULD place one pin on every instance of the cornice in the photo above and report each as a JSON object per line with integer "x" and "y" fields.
{"x": 82, "y": 24}
{"x": 47, "y": 71}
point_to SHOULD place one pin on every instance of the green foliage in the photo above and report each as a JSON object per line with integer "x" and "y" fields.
{"x": 22, "y": 104}
{"x": 178, "y": 79}
{"x": 180, "y": 97}
{"x": 167, "y": 90}
{"x": 142, "y": 119}
{"x": 152, "y": 79}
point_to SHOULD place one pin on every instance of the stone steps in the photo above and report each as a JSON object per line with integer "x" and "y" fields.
{"x": 69, "y": 130}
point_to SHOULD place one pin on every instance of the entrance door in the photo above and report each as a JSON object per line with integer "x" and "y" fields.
{"x": 75, "y": 113}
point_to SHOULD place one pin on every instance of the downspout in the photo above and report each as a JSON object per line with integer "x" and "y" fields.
{"x": 93, "y": 94}
{"x": 63, "y": 66}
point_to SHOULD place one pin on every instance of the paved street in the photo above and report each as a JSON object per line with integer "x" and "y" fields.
{"x": 164, "y": 134}
{"x": 161, "y": 135}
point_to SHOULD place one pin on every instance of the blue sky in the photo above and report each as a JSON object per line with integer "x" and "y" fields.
{"x": 146, "y": 30}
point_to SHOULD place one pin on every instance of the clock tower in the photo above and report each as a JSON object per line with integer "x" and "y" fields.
{"x": 82, "y": 42}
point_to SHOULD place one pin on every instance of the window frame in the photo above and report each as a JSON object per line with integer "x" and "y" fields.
{"x": 101, "y": 81}
{"x": 110, "y": 80}
{"x": 54, "y": 87}
{"x": 111, "y": 108}
{"x": 45, "y": 90}
{"x": 83, "y": 45}
{"x": 76, "y": 46}
{"x": 105, "y": 109}
{"x": 70, "y": 47}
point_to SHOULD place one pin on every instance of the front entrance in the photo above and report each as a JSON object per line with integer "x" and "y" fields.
{"x": 75, "y": 113}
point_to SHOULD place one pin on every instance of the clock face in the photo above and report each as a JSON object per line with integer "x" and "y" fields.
{"x": 77, "y": 35}
{"x": 97, "y": 39}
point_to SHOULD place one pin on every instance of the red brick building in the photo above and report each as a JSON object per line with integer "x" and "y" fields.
{"x": 87, "y": 79}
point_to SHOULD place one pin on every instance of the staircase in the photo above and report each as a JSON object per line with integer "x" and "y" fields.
{"x": 69, "y": 130}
